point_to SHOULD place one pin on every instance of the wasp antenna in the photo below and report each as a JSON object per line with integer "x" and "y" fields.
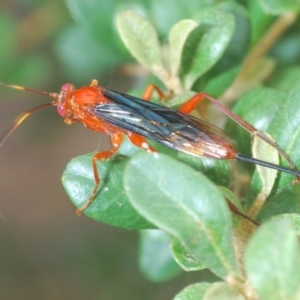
{"x": 21, "y": 118}
{"x": 267, "y": 164}
{"x": 22, "y": 88}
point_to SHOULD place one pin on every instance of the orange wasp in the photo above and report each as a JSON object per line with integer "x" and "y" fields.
{"x": 117, "y": 114}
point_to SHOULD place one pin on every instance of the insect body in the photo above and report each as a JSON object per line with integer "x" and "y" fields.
{"x": 117, "y": 114}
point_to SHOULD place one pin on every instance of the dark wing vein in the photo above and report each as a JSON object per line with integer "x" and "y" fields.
{"x": 156, "y": 122}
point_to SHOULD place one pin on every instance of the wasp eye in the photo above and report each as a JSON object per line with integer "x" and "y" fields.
{"x": 60, "y": 110}
{"x": 67, "y": 87}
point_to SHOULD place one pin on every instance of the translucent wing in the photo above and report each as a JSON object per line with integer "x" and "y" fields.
{"x": 167, "y": 126}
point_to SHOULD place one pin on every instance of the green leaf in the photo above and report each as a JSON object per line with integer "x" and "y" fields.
{"x": 233, "y": 56}
{"x": 285, "y": 130}
{"x": 193, "y": 292}
{"x": 229, "y": 195}
{"x": 155, "y": 267}
{"x": 293, "y": 218}
{"x": 184, "y": 203}
{"x": 286, "y": 79}
{"x": 265, "y": 152}
{"x": 287, "y": 51}
{"x": 258, "y": 108}
{"x": 217, "y": 170}
{"x": 167, "y": 13}
{"x": 272, "y": 261}
{"x": 217, "y": 85}
{"x": 284, "y": 203}
{"x": 222, "y": 291}
{"x": 205, "y": 44}
{"x": 278, "y": 7}
{"x": 110, "y": 205}
{"x": 177, "y": 38}
{"x": 187, "y": 261}
{"x": 141, "y": 40}
{"x": 260, "y": 20}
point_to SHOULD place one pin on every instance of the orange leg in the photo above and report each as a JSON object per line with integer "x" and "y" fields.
{"x": 116, "y": 140}
{"x": 191, "y": 104}
{"x": 140, "y": 142}
{"x": 149, "y": 92}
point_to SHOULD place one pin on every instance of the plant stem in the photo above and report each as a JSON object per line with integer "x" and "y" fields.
{"x": 245, "y": 81}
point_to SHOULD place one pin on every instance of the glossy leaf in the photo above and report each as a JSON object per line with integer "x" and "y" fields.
{"x": 206, "y": 44}
{"x": 187, "y": 261}
{"x": 284, "y": 203}
{"x": 193, "y": 292}
{"x": 229, "y": 195}
{"x": 285, "y": 130}
{"x": 140, "y": 38}
{"x": 217, "y": 170}
{"x": 265, "y": 152}
{"x": 260, "y": 20}
{"x": 167, "y": 13}
{"x": 272, "y": 261}
{"x": 185, "y": 204}
{"x": 177, "y": 38}
{"x": 217, "y": 85}
{"x": 155, "y": 267}
{"x": 110, "y": 205}
{"x": 222, "y": 74}
{"x": 258, "y": 107}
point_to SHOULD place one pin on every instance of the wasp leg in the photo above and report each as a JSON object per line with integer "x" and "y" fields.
{"x": 149, "y": 92}
{"x": 191, "y": 104}
{"x": 116, "y": 140}
{"x": 140, "y": 142}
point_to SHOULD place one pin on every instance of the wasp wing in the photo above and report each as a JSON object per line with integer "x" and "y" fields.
{"x": 164, "y": 125}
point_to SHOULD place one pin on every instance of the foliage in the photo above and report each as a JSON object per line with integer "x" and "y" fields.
{"x": 247, "y": 56}
{"x": 213, "y": 49}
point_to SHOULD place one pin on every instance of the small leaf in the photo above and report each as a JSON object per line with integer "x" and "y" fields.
{"x": 278, "y": 7}
{"x": 167, "y": 13}
{"x": 284, "y": 203}
{"x": 218, "y": 84}
{"x": 187, "y": 261}
{"x": 205, "y": 44}
{"x": 155, "y": 267}
{"x": 272, "y": 261}
{"x": 263, "y": 151}
{"x": 110, "y": 205}
{"x": 285, "y": 130}
{"x": 260, "y": 20}
{"x": 193, "y": 292}
{"x": 141, "y": 40}
{"x": 222, "y": 291}
{"x": 177, "y": 38}
{"x": 185, "y": 204}
{"x": 258, "y": 107}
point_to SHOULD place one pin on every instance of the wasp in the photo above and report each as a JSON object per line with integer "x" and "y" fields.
{"x": 117, "y": 114}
